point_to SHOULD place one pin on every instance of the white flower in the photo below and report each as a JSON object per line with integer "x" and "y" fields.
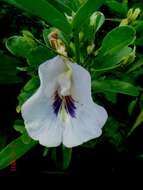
{"x": 62, "y": 109}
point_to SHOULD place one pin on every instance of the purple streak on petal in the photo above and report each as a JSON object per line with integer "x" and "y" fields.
{"x": 70, "y": 106}
{"x": 57, "y": 103}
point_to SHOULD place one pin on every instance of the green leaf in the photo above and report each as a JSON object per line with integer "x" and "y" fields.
{"x": 13, "y": 2}
{"x": 47, "y": 12}
{"x": 28, "y": 90}
{"x": 110, "y": 62}
{"x": 112, "y": 97}
{"x": 132, "y": 106}
{"x": 19, "y": 126}
{"x": 8, "y": 71}
{"x": 115, "y": 47}
{"x": 67, "y": 154}
{"x": 115, "y": 86}
{"x": 85, "y": 11}
{"x": 137, "y": 65}
{"x": 92, "y": 25}
{"x": 39, "y": 55}
{"x": 117, "y": 7}
{"x": 138, "y": 121}
{"x": 61, "y": 6}
{"x": 20, "y": 45}
{"x": 73, "y": 4}
{"x": 26, "y": 139}
{"x": 14, "y": 151}
{"x": 26, "y": 47}
{"x": 117, "y": 39}
{"x": 46, "y": 32}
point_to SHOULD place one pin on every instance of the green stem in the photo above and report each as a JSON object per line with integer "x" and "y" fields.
{"x": 77, "y": 49}
{"x": 46, "y": 150}
{"x": 114, "y": 19}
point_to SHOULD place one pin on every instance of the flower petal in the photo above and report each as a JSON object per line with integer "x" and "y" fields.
{"x": 86, "y": 126}
{"x": 52, "y": 134}
{"x": 81, "y": 84}
{"x": 40, "y": 121}
{"x": 49, "y": 72}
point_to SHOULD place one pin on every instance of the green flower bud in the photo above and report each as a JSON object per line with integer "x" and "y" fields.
{"x": 90, "y": 48}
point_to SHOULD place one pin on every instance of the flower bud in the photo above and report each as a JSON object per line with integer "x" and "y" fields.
{"x": 130, "y": 58}
{"x": 90, "y": 48}
{"x": 57, "y": 43}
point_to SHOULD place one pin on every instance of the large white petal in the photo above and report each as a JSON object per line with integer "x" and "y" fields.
{"x": 49, "y": 72}
{"x": 40, "y": 121}
{"x": 81, "y": 84}
{"x": 51, "y": 135}
{"x": 86, "y": 126}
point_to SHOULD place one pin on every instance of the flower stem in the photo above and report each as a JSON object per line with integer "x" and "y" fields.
{"x": 113, "y": 19}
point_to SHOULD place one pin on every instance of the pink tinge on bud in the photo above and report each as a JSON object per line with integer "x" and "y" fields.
{"x": 53, "y": 37}
{"x": 57, "y": 43}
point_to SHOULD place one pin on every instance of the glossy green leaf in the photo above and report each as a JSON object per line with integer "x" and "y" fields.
{"x": 26, "y": 139}
{"x": 115, "y": 6}
{"x": 19, "y": 126}
{"x": 26, "y": 47}
{"x": 38, "y": 55}
{"x": 8, "y": 71}
{"x": 115, "y": 86}
{"x": 28, "y": 90}
{"x": 92, "y": 25}
{"x": 47, "y": 12}
{"x": 137, "y": 65}
{"x": 67, "y": 154}
{"x": 20, "y": 45}
{"x": 114, "y": 47}
{"x": 14, "y": 151}
{"x": 46, "y": 32}
{"x": 85, "y": 11}
{"x": 132, "y": 106}
{"x": 110, "y": 61}
{"x": 13, "y": 2}
{"x": 61, "y": 6}
{"x": 117, "y": 39}
{"x": 73, "y": 4}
